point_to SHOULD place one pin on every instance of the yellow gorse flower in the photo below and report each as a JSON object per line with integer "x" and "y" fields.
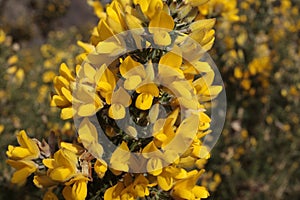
{"x": 24, "y": 169}
{"x": 88, "y": 136}
{"x": 21, "y": 157}
{"x": 119, "y": 101}
{"x": 76, "y": 188}
{"x": 129, "y": 188}
{"x": 100, "y": 168}
{"x": 27, "y": 150}
{"x": 63, "y": 166}
{"x": 43, "y": 181}
{"x": 120, "y": 158}
{"x": 187, "y": 188}
{"x": 63, "y": 97}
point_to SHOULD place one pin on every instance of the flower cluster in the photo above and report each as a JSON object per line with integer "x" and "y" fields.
{"x": 139, "y": 99}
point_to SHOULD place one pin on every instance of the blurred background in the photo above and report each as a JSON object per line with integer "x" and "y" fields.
{"x": 256, "y": 50}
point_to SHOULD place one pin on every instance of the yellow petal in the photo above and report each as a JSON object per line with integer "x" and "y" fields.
{"x": 205, "y": 80}
{"x": 209, "y": 36}
{"x": 141, "y": 190}
{"x": 154, "y": 166}
{"x": 96, "y": 150}
{"x": 133, "y": 22}
{"x": 187, "y": 162}
{"x": 149, "y": 88}
{"x": 203, "y": 24}
{"x": 130, "y": 67}
{"x": 153, "y": 113}
{"x": 49, "y": 163}
{"x": 79, "y": 190}
{"x": 132, "y": 82}
{"x": 182, "y": 89}
{"x": 203, "y": 117}
{"x": 165, "y": 182}
{"x": 71, "y": 147}
{"x": 213, "y": 90}
{"x": 185, "y": 133}
{"x": 130, "y": 130}
{"x": 61, "y": 174}
{"x": 161, "y": 20}
{"x": 181, "y": 174}
{"x": 200, "y": 192}
{"x": 162, "y": 38}
{"x": 43, "y": 181}
{"x": 116, "y": 111}
{"x": 114, "y": 17}
{"x": 24, "y": 169}
{"x": 12, "y": 70}
{"x": 120, "y": 157}
{"x": 105, "y": 30}
{"x": 184, "y": 11}
{"x": 29, "y": 144}
{"x": 65, "y": 72}
{"x": 173, "y": 116}
{"x": 154, "y": 7}
{"x": 87, "y": 132}
{"x": 183, "y": 193}
{"x": 121, "y": 97}
{"x": 200, "y": 152}
{"x": 67, "y": 93}
{"x": 59, "y": 82}
{"x": 198, "y": 35}
{"x": 60, "y": 101}
{"x": 144, "y": 101}
{"x": 208, "y": 45}
{"x": 144, "y": 4}
{"x": 66, "y": 113}
{"x": 86, "y": 46}
{"x": 202, "y": 66}
{"x": 17, "y": 152}
{"x": 149, "y": 148}
{"x": 89, "y": 72}
{"x": 111, "y": 48}
{"x": 141, "y": 186}
{"x": 87, "y": 110}
{"x": 168, "y": 74}
{"x": 20, "y": 176}
{"x": 105, "y": 80}
{"x": 64, "y": 157}
{"x": 88, "y": 136}
{"x": 172, "y": 58}
{"x": 160, "y": 137}
{"x": 100, "y": 168}
{"x": 114, "y": 192}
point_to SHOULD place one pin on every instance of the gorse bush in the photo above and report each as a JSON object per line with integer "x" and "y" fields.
{"x": 134, "y": 111}
{"x": 138, "y": 99}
